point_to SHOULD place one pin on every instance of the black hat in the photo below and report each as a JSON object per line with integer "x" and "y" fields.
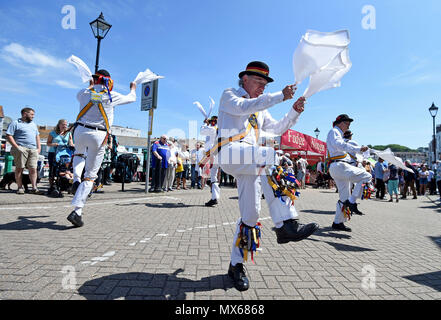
{"x": 257, "y": 68}
{"x": 103, "y": 72}
{"x": 341, "y": 118}
{"x": 347, "y": 134}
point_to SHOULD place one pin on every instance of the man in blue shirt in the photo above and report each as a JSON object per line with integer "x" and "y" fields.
{"x": 24, "y": 138}
{"x": 160, "y": 155}
{"x": 379, "y": 173}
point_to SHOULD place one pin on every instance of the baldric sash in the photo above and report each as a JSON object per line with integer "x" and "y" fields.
{"x": 96, "y": 99}
{"x": 252, "y": 124}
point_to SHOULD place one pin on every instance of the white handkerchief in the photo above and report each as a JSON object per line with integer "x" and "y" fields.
{"x": 146, "y": 76}
{"x": 83, "y": 69}
{"x": 201, "y": 109}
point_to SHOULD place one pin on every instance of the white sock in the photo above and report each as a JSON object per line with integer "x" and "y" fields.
{"x": 79, "y": 211}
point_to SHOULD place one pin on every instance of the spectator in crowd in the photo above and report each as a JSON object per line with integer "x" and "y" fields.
{"x": 379, "y": 169}
{"x": 24, "y": 138}
{"x": 160, "y": 155}
{"x": 424, "y": 176}
{"x": 409, "y": 180}
{"x": 279, "y": 154}
{"x": 171, "y": 168}
{"x": 185, "y": 156}
{"x": 179, "y": 170}
{"x": 401, "y": 181}
{"x": 58, "y": 138}
{"x": 320, "y": 167}
{"x": 301, "y": 172}
{"x": 438, "y": 177}
{"x": 431, "y": 183}
{"x": 196, "y": 155}
{"x": 392, "y": 182}
{"x": 285, "y": 161}
{"x": 113, "y": 156}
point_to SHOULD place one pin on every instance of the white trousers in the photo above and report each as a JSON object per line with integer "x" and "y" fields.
{"x": 345, "y": 174}
{"x": 244, "y": 162}
{"x": 87, "y": 143}
{"x": 215, "y": 190}
{"x": 169, "y": 177}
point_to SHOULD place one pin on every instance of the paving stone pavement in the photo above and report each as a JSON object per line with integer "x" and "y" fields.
{"x": 170, "y": 246}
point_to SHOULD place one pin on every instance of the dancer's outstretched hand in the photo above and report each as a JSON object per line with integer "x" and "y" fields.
{"x": 132, "y": 86}
{"x": 288, "y": 92}
{"x": 299, "y": 105}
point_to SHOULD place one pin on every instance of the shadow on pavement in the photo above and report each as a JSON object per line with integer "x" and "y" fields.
{"x": 26, "y": 223}
{"x": 140, "y": 285}
{"x": 432, "y": 279}
{"x": 172, "y": 205}
{"x": 346, "y": 247}
{"x": 437, "y": 240}
{"x": 331, "y": 233}
{"x": 318, "y": 211}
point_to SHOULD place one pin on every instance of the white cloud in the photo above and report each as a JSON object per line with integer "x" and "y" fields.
{"x": 66, "y": 84}
{"x": 419, "y": 71}
{"x": 36, "y": 66}
{"x": 19, "y": 53}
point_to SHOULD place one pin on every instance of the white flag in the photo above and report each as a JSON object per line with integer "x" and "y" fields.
{"x": 146, "y": 76}
{"x": 389, "y": 156}
{"x": 329, "y": 76}
{"x": 201, "y": 109}
{"x": 83, "y": 69}
{"x": 211, "y": 107}
{"x": 321, "y": 56}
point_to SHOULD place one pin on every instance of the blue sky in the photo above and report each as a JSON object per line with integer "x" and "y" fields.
{"x": 201, "y": 46}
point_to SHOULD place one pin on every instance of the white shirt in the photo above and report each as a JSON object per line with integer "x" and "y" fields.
{"x": 93, "y": 117}
{"x": 236, "y": 106}
{"x": 185, "y": 155}
{"x": 172, "y": 160}
{"x": 197, "y": 155}
{"x": 337, "y": 146}
{"x": 302, "y": 163}
{"x": 211, "y": 134}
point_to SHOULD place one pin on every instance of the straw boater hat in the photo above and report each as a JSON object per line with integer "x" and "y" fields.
{"x": 257, "y": 68}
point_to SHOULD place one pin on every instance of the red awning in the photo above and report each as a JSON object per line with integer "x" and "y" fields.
{"x": 294, "y": 140}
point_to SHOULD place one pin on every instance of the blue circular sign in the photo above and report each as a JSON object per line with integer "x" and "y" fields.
{"x": 147, "y": 91}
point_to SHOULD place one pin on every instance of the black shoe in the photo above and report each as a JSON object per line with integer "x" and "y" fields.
{"x": 237, "y": 274}
{"x": 353, "y": 208}
{"x": 341, "y": 227}
{"x": 75, "y": 186}
{"x": 75, "y": 219}
{"x": 294, "y": 231}
{"x": 211, "y": 203}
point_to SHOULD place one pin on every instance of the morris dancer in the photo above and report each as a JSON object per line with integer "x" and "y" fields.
{"x": 92, "y": 129}
{"x": 343, "y": 172}
{"x": 209, "y": 129}
{"x": 242, "y": 113}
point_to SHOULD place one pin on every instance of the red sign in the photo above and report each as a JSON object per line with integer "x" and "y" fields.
{"x": 298, "y": 141}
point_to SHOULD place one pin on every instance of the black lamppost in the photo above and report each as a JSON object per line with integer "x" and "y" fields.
{"x": 433, "y": 111}
{"x": 317, "y": 132}
{"x": 100, "y": 27}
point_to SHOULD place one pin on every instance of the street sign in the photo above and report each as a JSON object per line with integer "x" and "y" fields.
{"x": 149, "y": 95}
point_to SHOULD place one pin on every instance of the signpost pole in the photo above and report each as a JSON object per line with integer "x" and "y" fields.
{"x": 147, "y": 166}
{"x": 148, "y": 103}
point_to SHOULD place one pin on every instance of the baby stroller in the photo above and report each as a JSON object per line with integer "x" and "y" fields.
{"x": 63, "y": 170}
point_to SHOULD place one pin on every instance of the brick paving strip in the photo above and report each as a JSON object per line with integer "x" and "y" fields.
{"x": 170, "y": 246}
